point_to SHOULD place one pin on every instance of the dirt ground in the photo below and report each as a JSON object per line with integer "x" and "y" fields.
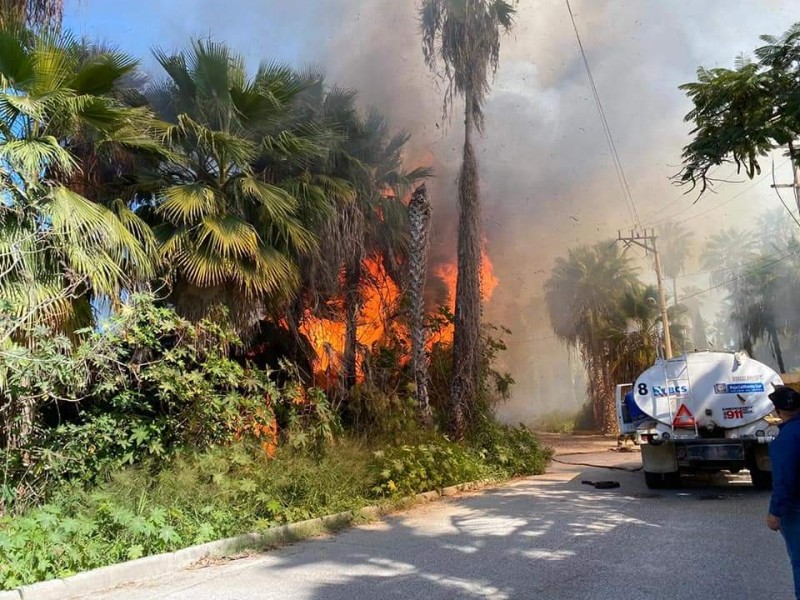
{"x": 578, "y": 444}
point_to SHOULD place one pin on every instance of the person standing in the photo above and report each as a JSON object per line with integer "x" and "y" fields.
{"x": 784, "y": 454}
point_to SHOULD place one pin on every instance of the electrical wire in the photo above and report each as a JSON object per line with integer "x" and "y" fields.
{"x": 715, "y": 208}
{"x": 612, "y": 146}
{"x": 780, "y": 197}
{"x": 743, "y": 275}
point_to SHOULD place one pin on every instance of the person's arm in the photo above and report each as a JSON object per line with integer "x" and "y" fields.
{"x": 785, "y": 459}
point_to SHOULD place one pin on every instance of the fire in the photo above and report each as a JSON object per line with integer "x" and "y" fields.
{"x": 378, "y": 319}
{"x": 448, "y": 273}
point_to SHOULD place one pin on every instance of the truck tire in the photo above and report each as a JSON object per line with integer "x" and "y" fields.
{"x": 762, "y": 480}
{"x": 661, "y": 481}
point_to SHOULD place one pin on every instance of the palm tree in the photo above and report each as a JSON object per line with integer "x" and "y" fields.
{"x": 754, "y": 309}
{"x": 33, "y": 13}
{"x": 727, "y": 255}
{"x": 377, "y": 219}
{"x": 464, "y": 36}
{"x": 419, "y": 213}
{"x": 231, "y": 217}
{"x": 60, "y": 248}
{"x": 632, "y": 337}
{"x": 583, "y": 296}
{"x": 675, "y": 246}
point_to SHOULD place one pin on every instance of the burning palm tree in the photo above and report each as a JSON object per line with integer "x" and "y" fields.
{"x": 464, "y": 37}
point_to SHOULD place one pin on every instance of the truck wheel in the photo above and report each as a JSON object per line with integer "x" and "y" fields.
{"x": 762, "y": 480}
{"x": 660, "y": 481}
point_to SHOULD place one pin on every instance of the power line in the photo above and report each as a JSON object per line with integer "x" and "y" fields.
{"x": 742, "y": 275}
{"x": 670, "y": 203}
{"x": 717, "y": 207}
{"x": 626, "y": 190}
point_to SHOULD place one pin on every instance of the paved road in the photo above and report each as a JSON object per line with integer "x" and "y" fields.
{"x": 547, "y": 537}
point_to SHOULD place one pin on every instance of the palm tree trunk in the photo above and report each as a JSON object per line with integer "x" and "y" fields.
{"x": 776, "y": 348}
{"x": 34, "y": 13}
{"x": 352, "y": 306}
{"x": 466, "y": 341}
{"x": 674, "y": 292}
{"x": 419, "y": 216}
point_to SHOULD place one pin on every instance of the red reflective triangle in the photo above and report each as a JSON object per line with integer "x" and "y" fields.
{"x": 684, "y": 418}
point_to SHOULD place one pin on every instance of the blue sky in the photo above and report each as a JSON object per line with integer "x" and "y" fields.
{"x": 276, "y": 31}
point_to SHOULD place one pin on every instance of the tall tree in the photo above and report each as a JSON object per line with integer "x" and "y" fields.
{"x": 56, "y": 103}
{"x": 583, "y": 296}
{"x": 741, "y": 115}
{"x": 632, "y": 334}
{"x": 726, "y": 256}
{"x": 464, "y": 37}
{"x": 753, "y": 304}
{"x": 231, "y": 216}
{"x": 675, "y": 246}
{"x": 419, "y": 214}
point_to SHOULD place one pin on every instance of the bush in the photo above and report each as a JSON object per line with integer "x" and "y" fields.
{"x": 556, "y": 422}
{"x": 198, "y": 498}
{"x": 150, "y": 384}
{"x": 496, "y": 452}
{"x": 142, "y": 510}
{"x": 412, "y": 469}
{"x": 512, "y": 451}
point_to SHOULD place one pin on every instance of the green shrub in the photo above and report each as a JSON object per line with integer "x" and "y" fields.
{"x": 556, "y": 422}
{"x": 142, "y": 510}
{"x": 198, "y": 498}
{"x": 412, "y": 469}
{"x": 147, "y": 385}
{"x": 496, "y": 452}
{"x": 511, "y": 451}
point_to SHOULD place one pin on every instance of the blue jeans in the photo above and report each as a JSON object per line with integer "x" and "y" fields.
{"x": 790, "y": 529}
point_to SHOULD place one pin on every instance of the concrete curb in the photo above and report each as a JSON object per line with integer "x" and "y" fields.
{"x": 90, "y": 582}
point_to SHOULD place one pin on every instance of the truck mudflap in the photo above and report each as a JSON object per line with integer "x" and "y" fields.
{"x": 660, "y": 458}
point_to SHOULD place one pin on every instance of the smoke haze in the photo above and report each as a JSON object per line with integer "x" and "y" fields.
{"x": 548, "y": 180}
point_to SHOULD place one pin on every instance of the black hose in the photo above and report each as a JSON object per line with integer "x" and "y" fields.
{"x": 612, "y": 468}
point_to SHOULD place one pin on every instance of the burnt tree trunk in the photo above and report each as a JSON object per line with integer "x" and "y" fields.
{"x": 466, "y": 341}
{"x": 419, "y": 216}
{"x": 352, "y": 307}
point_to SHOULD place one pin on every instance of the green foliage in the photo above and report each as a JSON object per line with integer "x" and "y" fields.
{"x": 740, "y": 115}
{"x": 385, "y": 415}
{"x": 63, "y": 237}
{"x": 198, "y": 498}
{"x": 225, "y": 491}
{"x": 494, "y": 452}
{"x": 146, "y": 385}
{"x": 556, "y": 422}
{"x": 408, "y": 470}
{"x": 494, "y": 385}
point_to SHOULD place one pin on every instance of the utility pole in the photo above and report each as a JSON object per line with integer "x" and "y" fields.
{"x": 795, "y": 176}
{"x": 647, "y": 240}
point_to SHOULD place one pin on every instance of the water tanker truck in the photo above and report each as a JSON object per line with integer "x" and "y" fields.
{"x": 702, "y": 412}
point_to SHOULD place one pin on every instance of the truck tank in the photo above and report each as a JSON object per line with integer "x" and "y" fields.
{"x": 707, "y": 390}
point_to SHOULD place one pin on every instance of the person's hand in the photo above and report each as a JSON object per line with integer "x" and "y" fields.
{"x": 773, "y": 522}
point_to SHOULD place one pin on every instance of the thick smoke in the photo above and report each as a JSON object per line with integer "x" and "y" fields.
{"x": 547, "y": 176}
{"x": 548, "y": 179}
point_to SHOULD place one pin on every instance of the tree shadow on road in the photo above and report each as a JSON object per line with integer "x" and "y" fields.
{"x": 534, "y": 539}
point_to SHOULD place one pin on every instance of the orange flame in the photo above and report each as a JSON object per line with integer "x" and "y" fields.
{"x": 448, "y": 273}
{"x": 378, "y": 318}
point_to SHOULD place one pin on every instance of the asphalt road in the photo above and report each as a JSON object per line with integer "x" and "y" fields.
{"x": 547, "y": 537}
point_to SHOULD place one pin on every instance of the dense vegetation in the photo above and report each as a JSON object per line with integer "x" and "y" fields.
{"x": 167, "y": 242}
